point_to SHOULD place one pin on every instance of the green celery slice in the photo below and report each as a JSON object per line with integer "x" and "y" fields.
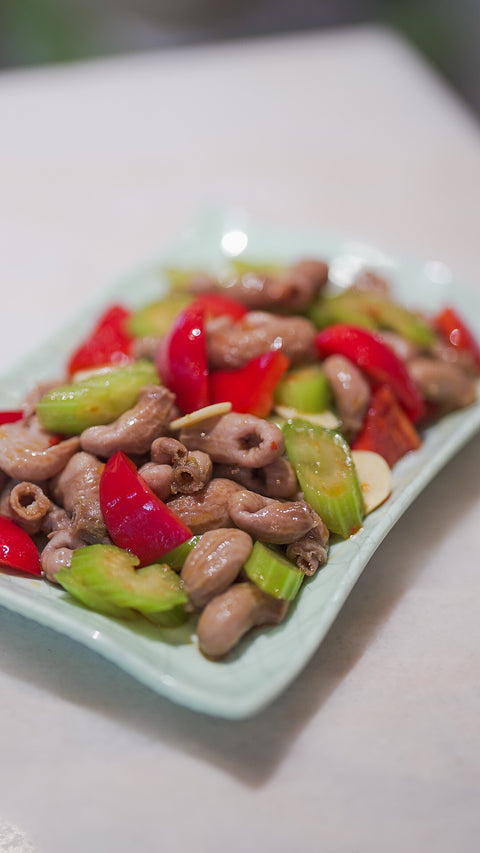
{"x": 273, "y": 573}
{"x": 173, "y": 618}
{"x": 106, "y": 575}
{"x": 242, "y": 266}
{"x": 326, "y": 472}
{"x": 177, "y": 556}
{"x": 358, "y": 308}
{"x": 87, "y": 596}
{"x": 329, "y": 310}
{"x": 156, "y": 318}
{"x": 397, "y": 318}
{"x": 99, "y": 399}
{"x": 304, "y": 388}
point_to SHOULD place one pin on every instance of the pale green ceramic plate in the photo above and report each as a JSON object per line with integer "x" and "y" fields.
{"x": 265, "y": 663}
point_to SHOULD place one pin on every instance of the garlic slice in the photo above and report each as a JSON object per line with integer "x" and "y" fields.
{"x": 326, "y": 419}
{"x": 213, "y": 411}
{"x": 375, "y": 477}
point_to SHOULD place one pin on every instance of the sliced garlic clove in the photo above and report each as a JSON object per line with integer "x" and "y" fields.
{"x": 213, "y": 411}
{"x": 375, "y": 477}
{"x": 326, "y": 419}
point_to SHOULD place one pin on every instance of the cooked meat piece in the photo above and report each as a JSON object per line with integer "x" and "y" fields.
{"x": 350, "y": 389}
{"x": 56, "y": 519}
{"x": 27, "y": 505}
{"x": 206, "y": 509}
{"x": 227, "y": 617}
{"x": 191, "y": 470}
{"x": 7, "y": 486}
{"x": 290, "y": 290}
{"x": 404, "y": 349}
{"x": 310, "y": 552}
{"x": 214, "y": 563}
{"x": 167, "y": 450}
{"x": 371, "y": 282}
{"x": 276, "y": 480}
{"x": 134, "y": 431}
{"x": 442, "y": 383}
{"x": 159, "y": 478}
{"x": 254, "y": 290}
{"x": 28, "y": 452}
{"x": 278, "y": 522}
{"x": 316, "y": 272}
{"x": 146, "y": 347}
{"x": 36, "y": 393}
{"x": 58, "y": 551}
{"x": 77, "y": 490}
{"x": 231, "y": 344}
{"x": 192, "y": 474}
{"x": 238, "y": 439}
{"x": 454, "y": 355}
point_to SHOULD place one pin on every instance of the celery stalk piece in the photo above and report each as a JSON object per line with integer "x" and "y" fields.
{"x": 156, "y": 318}
{"x": 397, "y": 318}
{"x": 76, "y": 581}
{"x": 324, "y": 466}
{"x": 273, "y": 573}
{"x": 329, "y": 310}
{"x": 304, "y": 388}
{"x": 87, "y": 596}
{"x": 98, "y": 399}
{"x": 108, "y": 577}
{"x": 173, "y": 618}
{"x": 177, "y": 556}
{"x": 354, "y": 307}
{"x": 241, "y": 266}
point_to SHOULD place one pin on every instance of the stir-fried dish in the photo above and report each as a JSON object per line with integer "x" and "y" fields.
{"x": 201, "y": 453}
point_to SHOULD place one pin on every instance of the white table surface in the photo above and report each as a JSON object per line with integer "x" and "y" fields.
{"x": 376, "y": 745}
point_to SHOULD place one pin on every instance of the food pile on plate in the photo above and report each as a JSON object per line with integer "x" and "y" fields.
{"x": 202, "y": 452}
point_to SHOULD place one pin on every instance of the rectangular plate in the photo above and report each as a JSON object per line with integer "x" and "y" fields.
{"x": 268, "y": 660}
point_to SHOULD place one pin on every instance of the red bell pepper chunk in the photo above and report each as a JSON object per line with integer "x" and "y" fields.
{"x": 17, "y": 549}
{"x": 386, "y": 429}
{"x": 250, "y": 388}
{"x": 218, "y": 305}
{"x": 135, "y": 518}
{"x": 182, "y": 360}
{"x": 365, "y": 349}
{"x": 108, "y": 343}
{"x": 9, "y": 417}
{"x": 456, "y": 332}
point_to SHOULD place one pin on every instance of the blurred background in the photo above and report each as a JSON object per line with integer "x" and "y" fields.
{"x": 34, "y": 32}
